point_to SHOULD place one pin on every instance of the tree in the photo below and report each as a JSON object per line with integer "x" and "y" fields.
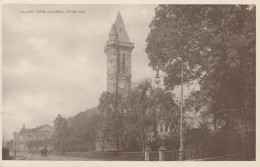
{"x": 145, "y": 106}
{"x": 216, "y": 46}
{"x": 200, "y": 140}
{"x": 112, "y": 110}
{"x": 102, "y": 134}
{"x": 9, "y": 144}
{"x": 128, "y": 121}
{"x": 137, "y": 105}
{"x": 60, "y": 134}
{"x": 82, "y": 131}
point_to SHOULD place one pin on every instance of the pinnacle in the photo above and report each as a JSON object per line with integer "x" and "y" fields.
{"x": 120, "y": 29}
{"x": 118, "y": 15}
{"x": 113, "y": 30}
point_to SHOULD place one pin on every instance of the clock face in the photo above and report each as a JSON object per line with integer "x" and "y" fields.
{"x": 122, "y": 85}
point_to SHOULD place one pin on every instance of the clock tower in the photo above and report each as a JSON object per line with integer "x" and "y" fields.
{"x": 118, "y": 50}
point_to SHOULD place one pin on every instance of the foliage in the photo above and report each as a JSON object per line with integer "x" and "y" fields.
{"x": 60, "y": 134}
{"x": 9, "y": 144}
{"x": 36, "y": 144}
{"x": 225, "y": 141}
{"x": 198, "y": 140}
{"x": 131, "y": 121}
{"x": 82, "y": 130}
{"x": 171, "y": 141}
{"x": 216, "y": 46}
{"x": 112, "y": 115}
{"x": 212, "y": 143}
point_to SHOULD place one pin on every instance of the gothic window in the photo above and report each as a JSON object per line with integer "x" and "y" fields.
{"x": 118, "y": 63}
{"x": 123, "y": 63}
{"x": 110, "y": 65}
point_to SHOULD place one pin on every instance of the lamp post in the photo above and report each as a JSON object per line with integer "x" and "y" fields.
{"x": 157, "y": 81}
{"x": 15, "y": 144}
{"x": 181, "y": 139}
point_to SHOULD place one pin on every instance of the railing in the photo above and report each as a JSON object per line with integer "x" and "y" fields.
{"x": 230, "y": 157}
{"x": 169, "y": 155}
{"x": 192, "y": 154}
{"x": 154, "y": 156}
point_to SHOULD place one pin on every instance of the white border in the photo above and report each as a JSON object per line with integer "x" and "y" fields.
{"x": 132, "y": 163}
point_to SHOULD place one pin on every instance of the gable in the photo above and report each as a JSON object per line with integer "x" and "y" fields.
{"x": 45, "y": 128}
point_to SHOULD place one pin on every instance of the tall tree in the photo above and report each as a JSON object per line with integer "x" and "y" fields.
{"x": 60, "y": 134}
{"x": 215, "y": 44}
{"x": 111, "y": 107}
{"x": 145, "y": 106}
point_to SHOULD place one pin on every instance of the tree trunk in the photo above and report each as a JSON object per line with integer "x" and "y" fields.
{"x": 247, "y": 139}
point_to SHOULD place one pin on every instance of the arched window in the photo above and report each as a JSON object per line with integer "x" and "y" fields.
{"x": 123, "y": 63}
{"x": 118, "y": 63}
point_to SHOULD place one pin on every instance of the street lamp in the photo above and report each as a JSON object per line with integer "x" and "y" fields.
{"x": 157, "y": 81}
{"x": 157, "y": 78}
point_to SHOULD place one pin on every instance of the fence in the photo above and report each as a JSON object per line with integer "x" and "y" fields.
{"x": 153, "y": 156}
{"x": 230, "y": 157}
{"x": 192, "y": 154}
{"x": 169, "y": 155}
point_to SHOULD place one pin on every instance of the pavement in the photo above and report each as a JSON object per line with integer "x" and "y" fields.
{"x": 30, "y": 156}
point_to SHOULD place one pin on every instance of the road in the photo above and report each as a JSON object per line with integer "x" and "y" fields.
{"x": 29, "y": 156}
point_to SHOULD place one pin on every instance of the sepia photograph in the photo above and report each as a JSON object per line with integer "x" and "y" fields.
{"x": 129, "y": 82}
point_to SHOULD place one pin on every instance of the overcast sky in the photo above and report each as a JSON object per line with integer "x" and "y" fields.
{"x": 55, "y": 63}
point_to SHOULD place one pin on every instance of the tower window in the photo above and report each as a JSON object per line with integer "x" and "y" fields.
{"x": 123, "y": 63}
{"x": 118, "y": 63}
{"x": 110, "y": 63}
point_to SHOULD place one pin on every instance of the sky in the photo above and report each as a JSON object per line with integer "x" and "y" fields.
{"x": 54, "y": 63}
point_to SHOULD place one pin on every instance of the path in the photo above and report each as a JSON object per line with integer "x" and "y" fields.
{"x": 30, "y": 156}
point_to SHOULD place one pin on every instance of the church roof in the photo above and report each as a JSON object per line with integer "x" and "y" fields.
{"x": 40, "y": 128}
{"x": 120, "y": 29}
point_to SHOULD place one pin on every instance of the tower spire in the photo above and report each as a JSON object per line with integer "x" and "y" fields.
{"x": 118, "y": 13}
{"x": 120, "y": 29}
